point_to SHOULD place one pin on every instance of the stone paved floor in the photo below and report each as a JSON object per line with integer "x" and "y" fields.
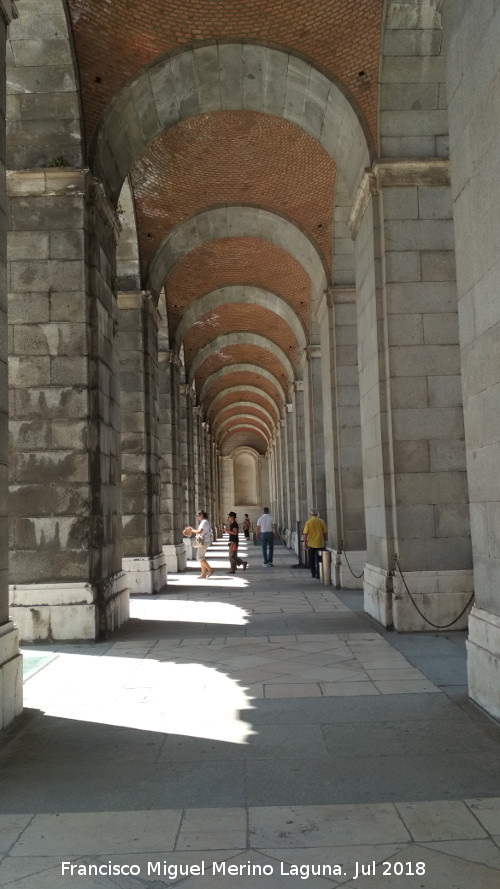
{"x": 259, "y": 729}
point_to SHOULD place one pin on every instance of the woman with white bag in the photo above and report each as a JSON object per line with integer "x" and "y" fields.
{"x": 202, "y": 542}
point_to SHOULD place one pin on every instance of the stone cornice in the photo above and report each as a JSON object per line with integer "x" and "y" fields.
{"x": 334, "y": 295}
{"x": 141, "y": 300}
{"x": 168, "y": 355}
{"x": 46, "y": 181}
{"x": 397, "y": 173}
{"x": 52, "y": 181}
{"x": 312, "y": 352}
{"x": 340, "y": 294}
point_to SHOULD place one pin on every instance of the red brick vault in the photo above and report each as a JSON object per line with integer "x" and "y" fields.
{"x": 246, "y": 275}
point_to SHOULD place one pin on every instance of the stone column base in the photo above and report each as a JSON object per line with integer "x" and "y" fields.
{"x": 483, "y": 660}
{"x": 69, "y": 611}
{"x": 351, "y": 569}
{"x": 175, "y": 557}
{"x": 145, "y": 575}
{"x": 440, "y": 596}
{"x": 11, "y": 674}
{"x": 377, "y": 588}
{"x": 189, "y": 548}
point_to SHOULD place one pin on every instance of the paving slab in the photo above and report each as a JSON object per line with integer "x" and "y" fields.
{"x": 250, "y": 731}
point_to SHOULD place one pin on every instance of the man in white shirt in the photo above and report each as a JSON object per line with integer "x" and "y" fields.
{"x": 266, "y": 529}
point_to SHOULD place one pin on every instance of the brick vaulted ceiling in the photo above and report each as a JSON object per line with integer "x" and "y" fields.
{"x": 234, "y": 158}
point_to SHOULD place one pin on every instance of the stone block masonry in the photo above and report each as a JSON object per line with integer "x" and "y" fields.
{"x": 65, "y": 526}
{"x": 143, "y": 561}
{"x": 414, "y": 464}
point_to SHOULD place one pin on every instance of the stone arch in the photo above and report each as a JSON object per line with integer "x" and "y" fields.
{"x": 244, "y": 405}
{"x": 247, "y": 420}
{"x": 240, "y": 293}
{"x": 237, "y": 221}
{"x": 236, "y": 389}
{"x": 245, "y": 466}
{"x": 247, "y": 426}
{"x": 232, "y": 339}
{"x": 180, "y": 85}
{"x": 238, "y": 368}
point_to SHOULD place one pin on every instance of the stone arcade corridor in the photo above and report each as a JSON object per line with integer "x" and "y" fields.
{"x": 250, "y": 256}
{"x": 254, "y": 721}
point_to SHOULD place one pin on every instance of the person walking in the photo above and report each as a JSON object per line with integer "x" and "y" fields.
{"x": 234, "y": 559}
{"x": 314, "y": 536}
{"x": 204, "y": 539}
{"x": 246, "y": 527}
{"x": 266, "y": 531}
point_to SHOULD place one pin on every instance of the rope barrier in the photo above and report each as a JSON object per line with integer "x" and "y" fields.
{"x": 422, "y": 615}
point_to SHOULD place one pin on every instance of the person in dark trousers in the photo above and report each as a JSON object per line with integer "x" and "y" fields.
{"x": 234, "y": 559}
{"x": 266, "y": 531}
{"x": 246, "y": 527}
{"x": 314, "y": 536}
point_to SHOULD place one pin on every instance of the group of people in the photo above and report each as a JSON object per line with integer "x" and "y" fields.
{"x": 314, "y": 538}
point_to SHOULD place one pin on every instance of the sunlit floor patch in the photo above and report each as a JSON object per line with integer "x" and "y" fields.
{"x": 187, "y": 580}
{"x": 188, "y": 611}
{"x": 184, "y": 699}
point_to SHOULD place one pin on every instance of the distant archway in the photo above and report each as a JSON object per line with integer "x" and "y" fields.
{"x": 245, "y": 477}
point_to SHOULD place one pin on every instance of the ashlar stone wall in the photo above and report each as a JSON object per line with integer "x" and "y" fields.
{"x": 65, "y": 537}
{"x": 143, "y": 559}
{"x": 472, "y": 31}
{"x": 11, "y": 673}
{"x": 341, "y": 420}
{"x": 412, "y": 427}
{"x": 171, "y": 493}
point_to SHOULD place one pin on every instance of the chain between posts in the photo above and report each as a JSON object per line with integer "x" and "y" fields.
{"x": 422, "y": 615}
{"x": 357, "y": 576}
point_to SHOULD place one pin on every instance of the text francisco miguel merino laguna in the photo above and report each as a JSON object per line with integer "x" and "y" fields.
{"x": 248, "y": 869}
